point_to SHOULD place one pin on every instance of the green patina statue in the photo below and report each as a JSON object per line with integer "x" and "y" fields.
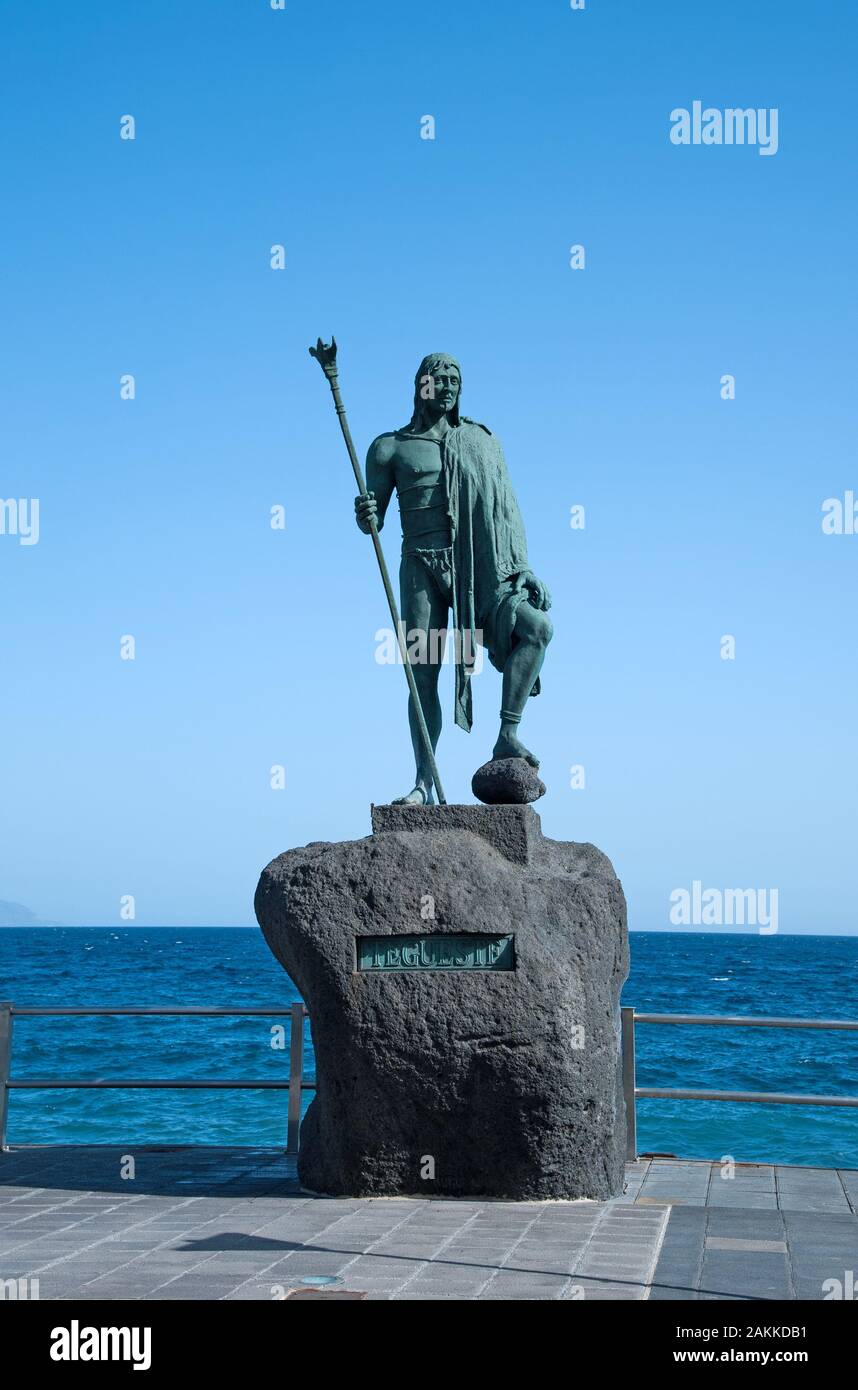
{"x": 463, "y": 549}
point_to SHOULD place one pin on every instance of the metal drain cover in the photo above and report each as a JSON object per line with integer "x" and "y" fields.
{"x": 327, "y": 1294}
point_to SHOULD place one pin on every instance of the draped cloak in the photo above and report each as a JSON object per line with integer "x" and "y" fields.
{"x": 489, "y": 553}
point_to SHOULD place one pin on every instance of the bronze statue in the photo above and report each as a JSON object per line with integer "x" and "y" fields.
{"x": 463, "y": 552}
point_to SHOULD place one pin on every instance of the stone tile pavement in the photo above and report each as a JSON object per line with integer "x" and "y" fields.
{"x": 212, "y": 1223}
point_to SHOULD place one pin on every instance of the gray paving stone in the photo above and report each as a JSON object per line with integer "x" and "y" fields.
{"x": 746, "y": 1244}
{"x": 764, "y": 1276}
{"x": 795, "y": 1201}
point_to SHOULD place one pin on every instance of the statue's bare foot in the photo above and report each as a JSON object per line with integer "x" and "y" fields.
{"x": 420, "y": 795}
{"x": 508, "y": 746}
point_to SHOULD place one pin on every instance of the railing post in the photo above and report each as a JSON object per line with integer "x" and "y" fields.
{"x": 628, "y": 1029}
{"x": 5, "y": 1066}
{"x": 296, "y": 1076}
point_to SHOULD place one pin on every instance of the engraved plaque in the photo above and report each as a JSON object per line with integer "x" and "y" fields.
{"x": 464, "y": 951}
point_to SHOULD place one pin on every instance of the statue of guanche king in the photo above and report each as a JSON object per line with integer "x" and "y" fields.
{"x": 463, "y": 548}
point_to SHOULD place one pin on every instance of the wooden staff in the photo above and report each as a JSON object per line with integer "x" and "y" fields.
{"x": 326, "y": 356}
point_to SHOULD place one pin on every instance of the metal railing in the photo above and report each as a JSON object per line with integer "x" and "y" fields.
{"x": 296, "y": 1084}
{"x": 632, "y": 1091}
{"x": 296, "y": 1013}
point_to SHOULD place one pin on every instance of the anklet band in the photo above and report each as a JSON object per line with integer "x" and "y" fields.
{"x": 510, "y": 717}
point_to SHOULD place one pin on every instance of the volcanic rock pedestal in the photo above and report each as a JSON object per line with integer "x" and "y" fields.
{"x": 463, "y": 977}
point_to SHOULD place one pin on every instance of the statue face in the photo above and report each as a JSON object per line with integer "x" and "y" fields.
{"x": 447, "y": 384}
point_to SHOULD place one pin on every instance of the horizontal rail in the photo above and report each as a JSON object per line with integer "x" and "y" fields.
{"x": 62, "y": 1083}
{"x": 747, "y": 1021}
{"x": 755, "y": 1097}
{"x": 153, "y": 1013}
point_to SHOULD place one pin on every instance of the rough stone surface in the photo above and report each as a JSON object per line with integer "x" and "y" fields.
{"x": 477, "y": 1070}
{"x": 505, "y": 781}
{"x": 514, "y": 831}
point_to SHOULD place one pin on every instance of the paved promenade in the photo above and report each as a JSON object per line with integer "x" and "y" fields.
{"x": 212, "y": 1223}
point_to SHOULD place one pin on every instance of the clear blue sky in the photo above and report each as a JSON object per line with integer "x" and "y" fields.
{"x": 256, "y": 647}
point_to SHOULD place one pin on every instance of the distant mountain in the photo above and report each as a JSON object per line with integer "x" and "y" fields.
{"x": 16, "y": 915}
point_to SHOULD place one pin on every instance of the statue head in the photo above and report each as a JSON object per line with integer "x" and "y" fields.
{"x": 437, "y": 387}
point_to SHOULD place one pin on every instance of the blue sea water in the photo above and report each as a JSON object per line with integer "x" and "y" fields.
{"x": 807, "y": 976}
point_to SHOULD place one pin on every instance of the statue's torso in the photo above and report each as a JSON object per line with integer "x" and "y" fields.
{"x": 422, "y": 495}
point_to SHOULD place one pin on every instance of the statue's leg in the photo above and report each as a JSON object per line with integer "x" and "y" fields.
{"x": 531, "y": 635}
{"x": 424, "y": 611}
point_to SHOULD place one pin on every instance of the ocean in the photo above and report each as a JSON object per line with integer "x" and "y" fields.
{"x": 683, "y": 972}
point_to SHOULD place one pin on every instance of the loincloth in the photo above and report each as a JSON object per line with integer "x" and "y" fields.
{"x": 438, "y": 564}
